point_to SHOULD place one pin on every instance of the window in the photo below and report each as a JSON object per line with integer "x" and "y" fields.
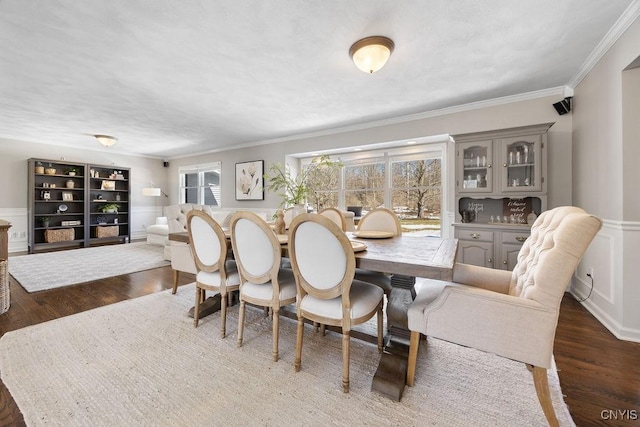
{"x": 364, "y": 184}
{"x": 200, "y": 184}
{"x": 416, "y": 187}
{"x": 407, "y": 181}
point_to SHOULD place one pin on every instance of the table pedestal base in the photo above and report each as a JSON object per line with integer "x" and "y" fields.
{"x": 207, "y": 307}
{"x": 391, "y": 375}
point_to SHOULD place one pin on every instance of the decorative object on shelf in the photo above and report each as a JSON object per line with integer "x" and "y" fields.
{"x": 280, "y": 225}
{"x": 69, "y": 183}
{"x": 92, "y": 173}
{"x": 60, "y": 235}
{"x": 63, "y": 208}
{"x": 250, "y": 180}
{"x": 70, "y": 223}
{"x": 108, "y": 231}
{"x": 101, "y": 220}
{"x": 106, "y": 140}
{"x": 45, "y": 195}
{"x": 39, "y": 168}
{"x": 71, "y": 171}
{"x": 50, "y": 170}
{"x": 67, "y": 196}
{"x": 44, "y": 221}
{"x": 294, "y": 191}
{"x": 99, "y": 197}
{"x": 109, "y": 208}
{"x": 371, "y": 53}
{"x": 117, "y": 197}
{"x": 108, "y": 185}
{"x": 531, "y": 218}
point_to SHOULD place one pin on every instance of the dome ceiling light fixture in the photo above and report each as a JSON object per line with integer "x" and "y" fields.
{"x": 106, "y": 140}
{"x": 371, "y": 53}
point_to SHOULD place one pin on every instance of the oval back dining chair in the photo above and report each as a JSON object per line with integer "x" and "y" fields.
{"x": 213, "y": 271}
{"x": 510, "y": 314}
{"x": 257, "y": 251}
{"x": 380, "y": 219}
{"x": 336, "y": 216}
{"x": 323, "y": 265}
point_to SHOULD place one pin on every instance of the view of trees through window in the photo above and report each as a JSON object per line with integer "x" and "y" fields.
{"x": 409, "y": 186}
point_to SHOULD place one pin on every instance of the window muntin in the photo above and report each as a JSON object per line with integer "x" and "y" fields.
{"x": 200, "y": 184}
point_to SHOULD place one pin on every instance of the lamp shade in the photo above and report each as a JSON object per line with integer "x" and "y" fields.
{"x": 152, "y": 191}
{"x": 106, "y": 140}
{"x": 371, "y": 53}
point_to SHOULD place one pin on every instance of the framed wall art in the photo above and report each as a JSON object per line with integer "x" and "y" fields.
{"x": 250, "y": 180}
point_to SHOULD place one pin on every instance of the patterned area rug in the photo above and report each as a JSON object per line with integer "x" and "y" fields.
{"x": 141, "y": 362}
{"x": 38, "y": 272}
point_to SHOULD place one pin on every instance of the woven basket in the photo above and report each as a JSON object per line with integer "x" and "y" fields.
{"x": 110, "y": 231}
{"x": 5, "y": 297}
{"x": 60, "y": 235}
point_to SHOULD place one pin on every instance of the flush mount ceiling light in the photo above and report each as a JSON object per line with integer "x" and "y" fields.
{"x": 106, "y": 140}
{"x": 371, "y": 53}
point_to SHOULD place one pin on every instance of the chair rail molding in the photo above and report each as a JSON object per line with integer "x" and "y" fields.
{"x": 19, "y": 231}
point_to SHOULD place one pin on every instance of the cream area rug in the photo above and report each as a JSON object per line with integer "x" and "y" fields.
{"x": 37, "y": 272}
{"x": 141, "y": 362}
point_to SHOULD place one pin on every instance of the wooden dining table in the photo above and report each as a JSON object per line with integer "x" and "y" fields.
{"x": 407, "y": 256}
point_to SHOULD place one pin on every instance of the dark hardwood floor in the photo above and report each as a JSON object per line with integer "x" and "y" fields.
{"x": 597, "y": 371}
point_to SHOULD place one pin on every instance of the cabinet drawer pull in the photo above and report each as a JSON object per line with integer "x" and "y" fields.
{"x": 489, "y": 261}
{"x": 521, "y": 239}
{"x": 504, "y": 165}
{"x": 489, "y": 165}
{"x": 475, "y": 236}
{"x": 504, "y": 262}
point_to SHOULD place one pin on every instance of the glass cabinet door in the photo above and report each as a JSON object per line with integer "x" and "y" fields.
{"x": 475, "y": 166}
{"x": 521, "y": 164}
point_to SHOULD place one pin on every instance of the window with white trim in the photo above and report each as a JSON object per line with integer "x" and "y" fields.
{"x": 200, "y": 184}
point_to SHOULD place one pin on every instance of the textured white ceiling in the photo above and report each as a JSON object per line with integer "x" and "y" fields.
{"x": 185, "y": 76}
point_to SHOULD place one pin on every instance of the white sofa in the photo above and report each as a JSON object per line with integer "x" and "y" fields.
{"x": 180, "y": 253}
{"x": 158, "y": 234}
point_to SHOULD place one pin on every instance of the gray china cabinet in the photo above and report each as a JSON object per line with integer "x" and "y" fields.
{"x": 501, "y": 186}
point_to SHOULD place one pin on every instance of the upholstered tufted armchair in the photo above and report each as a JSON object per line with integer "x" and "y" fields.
{"x": 511, "y": 314}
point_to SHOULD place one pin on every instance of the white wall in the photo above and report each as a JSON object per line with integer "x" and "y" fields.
{"x": 14, "y": 192}
{"x": 606, "y": 182}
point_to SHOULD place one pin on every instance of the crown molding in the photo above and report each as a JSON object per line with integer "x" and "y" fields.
{"x": 626, "y": 19}
{"x": 560, "y": 90}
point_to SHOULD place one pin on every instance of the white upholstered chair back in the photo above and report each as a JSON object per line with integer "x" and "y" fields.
{"x": 288, "y": 216}
{"x": 336, "y": 216}
{"x": 548, "y": 258}
{"x": 208, "y": 242}
{"x": 380, "y": 219}
{"x": 322, "y": 257}
{"x": 255, "y": 246}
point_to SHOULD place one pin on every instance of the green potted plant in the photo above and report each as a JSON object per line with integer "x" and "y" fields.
{"x": 109, "y": 208}
{"x": 44, "y": 221}
{"x": 71, "y": 171}
{"x": 294, "y": 190}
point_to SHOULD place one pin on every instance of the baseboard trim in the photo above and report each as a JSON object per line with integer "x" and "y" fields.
{"x": 620, "y": 332}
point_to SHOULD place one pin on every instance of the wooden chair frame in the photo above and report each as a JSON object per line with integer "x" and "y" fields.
{"x": 332, "y": 213}
{"x": 220, "y": 265}
{"x": 342, "y": 289}
{"x": 271, "y": 276}
{"x": 377, "y": 211}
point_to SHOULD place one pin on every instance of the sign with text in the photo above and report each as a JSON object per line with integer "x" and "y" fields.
{"x": 519, "y": 208}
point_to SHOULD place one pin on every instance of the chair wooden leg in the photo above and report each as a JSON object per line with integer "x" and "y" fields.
{"x": 299, "y": 343}
{"x": 380, "y": 330}
{"x": 276, "y": 330}
{"x": 240, "y": 322}
{"x": 176, "y": 274}
{"x": 223, "y": 315}
{"x": 345, "y": 361}
{"x": 196, "y": 309}
{"x": 323, "y": 329}
{"x": 413, "y": 357}
{"x": 542, "y": 390}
